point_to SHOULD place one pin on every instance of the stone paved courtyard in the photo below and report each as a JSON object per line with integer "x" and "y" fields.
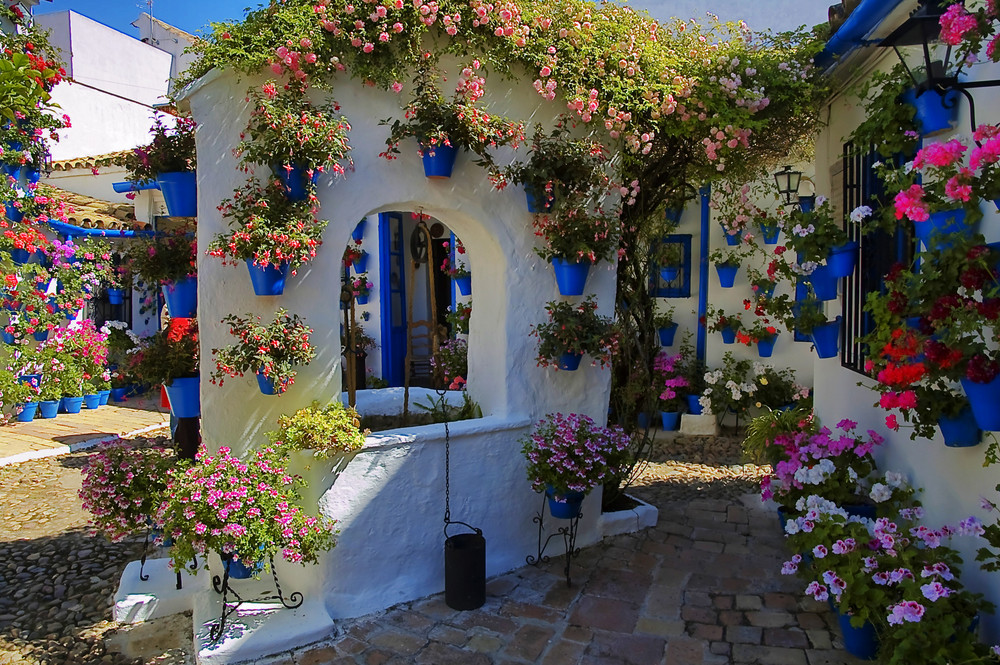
{"x": 701, "y": 587}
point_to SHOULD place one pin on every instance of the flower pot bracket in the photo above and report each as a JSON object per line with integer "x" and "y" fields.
{"x": 231, "y": 599}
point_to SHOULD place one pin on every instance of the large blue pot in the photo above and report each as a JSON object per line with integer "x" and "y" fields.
{"x": 694, "y": 406}
{"x": 860, "y": 642}
{"x": 180, "y": 192}
{"x": 72, "y": 404}
{"x": 842, "y": 259}
{"x": 826, "y": 338}
{"x": 538, "y": 203}
{"x": 92, "y": 401}
{"x": 727, "y": 274}
{"x": 182, "y": 298}
{"x": 824, "y": 283}
{"x": 20, "y": 256}
{"x": 765, "y": 347}
{"x": 441, "y": 163}
{"x": 237, "y": 570}
{"x": 770, "y": 232}
{"x": 571, "y": 276}
{"x": 940, "y": 225}
{"x": 960, "y": 431}
{"x": 116, "y": 296}
{"x": 360, "y": 264}
{"x": 984, "y": 398}
{"x": 267, "y": 280}
{"x": 728, "y": 335}
{"x": 265, "y": 384}
{"x": 185, "y": 399}
{"x": 464, "y": 284}
{"x": 296, "y": 180}
{"x": 936, "y": 113}
{"x": 359, "y": 231}
{"x": 671, "y": 420}
{"x": 48, "y": 408}
{"x": 667, "y": 334}
{"x": 27, "y": 412}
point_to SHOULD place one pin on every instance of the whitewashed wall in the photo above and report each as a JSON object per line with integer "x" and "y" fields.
{"x": 511, "y": 286}
{"x": 953, "y": 479}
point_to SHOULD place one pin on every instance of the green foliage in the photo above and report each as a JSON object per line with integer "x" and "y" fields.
{"x": 329, "y": 430}
{"x": 574, "y": 329}
{"x": 168, "y": 354}
{"x": 759, "y": 441}
{"x": 172, "y": 150}
{"x": 889, "y": 124}
{"x": 441, "y": 411}
{"x": 273, "y": 349}
{"x": 162, "y": 259}
{"x": 560, "y": 165}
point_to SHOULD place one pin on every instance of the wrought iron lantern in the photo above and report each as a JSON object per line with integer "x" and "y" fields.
{"x": 788, "y": 184}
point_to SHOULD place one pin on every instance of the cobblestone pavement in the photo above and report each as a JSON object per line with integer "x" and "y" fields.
{"x": 700, "y": 587}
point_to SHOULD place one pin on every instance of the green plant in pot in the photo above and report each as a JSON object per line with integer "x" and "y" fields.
{"x": 577, "y": 233}
{"x": 889, "y": 125}
{"x": 162, "y": 259}
{"x": 172, "y": 150}
{"x": 574, "y": 329}
{"x": 812, "y": 234}
{"x": 271, "y": 350}
{"x": 168, "y": 354}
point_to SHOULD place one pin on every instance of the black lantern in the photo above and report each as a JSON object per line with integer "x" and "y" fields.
{"x": 788, "y": 184}
{"x": 938, "y": 72}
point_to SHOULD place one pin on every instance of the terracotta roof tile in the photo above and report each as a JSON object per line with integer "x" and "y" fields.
{"x": 89, "y": 162}
{"x": 90, "y": 213}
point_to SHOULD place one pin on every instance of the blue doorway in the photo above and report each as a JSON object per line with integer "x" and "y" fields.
{"x": 392, "y": 296}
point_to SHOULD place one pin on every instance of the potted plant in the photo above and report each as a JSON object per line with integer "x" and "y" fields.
{"x": 728, "y": 388}
{"x": 457, "y": 270}
{"x": 574, "y": 238}
{"x": 569, "y": 455}
{"x": 355, "y": 257}
{"x": 458, "y": 318}
{"x": 818, "y": 239}
{"x": 665, "y": 326}
{"x": 270, "y": 233}
{"x": 124, "y": 482}
{"x": 668, "y": 380}
{"x": 451, "y": 362}
{"x": 441, "y": 126}
{"x": 168, "y": 261}
{"x": 170, "y": 160}
{"x": 559, "y": 167}
{"x": 777, "y": 388}
{"x": 571, "y": 331}
{"x": 271, "y": 350}
{"x": 170, "y": 357}
{"x": 889, "y": 125}
{"x": 760, "y": 332}
{"x": 361, "y": 289}
{"x": 668, "y": 257}
{"x": 297, "y": 139}
{"x": 361, "y": 343}
{"x": 727, "y": 265}
{"x": 257, "y": 519}
{"x": 728, "y": 325}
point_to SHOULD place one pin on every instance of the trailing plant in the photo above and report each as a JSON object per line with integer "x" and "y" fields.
{"x": 577, "y": 234}
{"x": 576, "y": 329}
{"x": 163, "y": 258}
{"x": 889, "y": 125}
{"x": 451, "y": 362}
{"x": 168, "y": 354}
{"x": 328, "y": 431}
{"x": 172, "y": 150}
{"x": 572, "y": 453}
{"x": 458, "y": 318}
{"x": 670, "y": 382}
{"x": 273, "y": 349}
{"x": 811, "y": 235}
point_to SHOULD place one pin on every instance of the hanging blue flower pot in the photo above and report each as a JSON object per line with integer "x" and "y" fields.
{"x": 770, "y": 232}
{"x": 41, "y": 335}
{"x": 936, "y": 113}
{"x": 185, "y": 397}
{"x": 360, "y": 264}
{"x": 361, "y": 299}
{"x": 571, "y": 277}
{"x": 182, "y": 298}
{"x": 765, "y": 346}
{"x": 295, "y": 180}
{"x": 265, "y": 384}
{"x": 984, "y": 398}
{"x": 267, "y": 280}
{"x": 48, "y": 408}
{"x": 960, "y": 431}
{"x": 13, "y": 213}
{"x": 934, "y": 232}
{"x": 91, "y": 401}
{"x": 824, "y": 283}
{"x": 826, "y": 338}
{"x": 694, "y": 406}
{"x": 464, "y": 284}
{"x": 807, "y": 203}
{"x": 569, "y": 361}
{"x": 564, "y": 504}
{"x": 180, "y": 193}
{"x": 671, "y": 420}
{"x": 732, "y": 239}
{"x": 842, "y": 259}
{"x": 116, "y": 296}
{"x": 72, "y": 404}
{"x": 27, "y": 412}
{"x": 669, "y": 273}
{"x": 767, "y": 293}
{"x": 439, "y": 161}
{"x": 674, "y": 215}
{"x": 727, "y": 274}
{"x": 728, "y": 335}
{"x": 538, "y": 203}
{"x": 359, "y": 231}
{"x": 238, "y": 570}
{"x": 20, "y": 256}
{"x": 8, "y": 338}
{"x": 667, "y": 334}
{"x": 31, "y": 175}
{"x": 860, "y": 642}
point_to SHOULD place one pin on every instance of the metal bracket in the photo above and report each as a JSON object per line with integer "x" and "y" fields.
{"x": 568, "y": 534}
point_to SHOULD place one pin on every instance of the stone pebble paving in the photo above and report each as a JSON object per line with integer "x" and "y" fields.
{"x": 701, "y": 587}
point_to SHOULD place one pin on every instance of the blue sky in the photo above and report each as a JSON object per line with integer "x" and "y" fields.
{"x": 192, "y": 15}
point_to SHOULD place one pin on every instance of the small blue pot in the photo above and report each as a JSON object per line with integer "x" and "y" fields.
{"x": 667, "y": 334}
{"x": 694, "y": 406}
{"x": 826, "y": 338}
{"x": 72, "y": 404}
{"x": 360, "y": 264}
{"x": 103, "y": 397}
{"x": 934, "y": 232}
{"x": 727, "y": 274}
{"x": 92, "y": 401}
{"x": 182, "y": 298}
{"x": 770, "y": 232}
{"x": 296, "y": 180}
{"x": 824, "y": 283}
{"x": 265, "y": 384}
{"x": 116, "y": 296}
{"x": 48, "y": 408}
{"x": 571, "y": 277}
{"x": 669, "y": 273}
{"x": 728, "y": 335}
{"x": 118, "y": 394}
{"x": 267, "y": 280}
{"x": 441, "y": 163}
{"x": 564, "y": 504}
{"x": 936, "y": 113}
{"x": 27, "y": 412}
{"x": 842, "y": 259}
{"x": 185, "y": 397}
{"x": 570, "y": 361}
{"x": 464, "y": 284}
{"x": 359, "y": 231}
{"x": 960, "y": 431}
{"x": 984, "y": 398}
{"x": 537, "y": 204}
{"x": 671, "y": 420}
{"x": 765, "y": 347}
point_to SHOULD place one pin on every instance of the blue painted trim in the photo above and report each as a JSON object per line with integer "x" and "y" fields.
{"x": 385, "y": 314}
{"x": 852, "y": 34}
{"x": 454, "y": 284}
{"x": 706, "y": 214}
{"x": 75, "y": 231}
{"x": 662, "y": 289}
{"x": 125, "y": 187}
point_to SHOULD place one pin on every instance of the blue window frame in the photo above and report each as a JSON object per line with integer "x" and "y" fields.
{"x": 680, "y": 287}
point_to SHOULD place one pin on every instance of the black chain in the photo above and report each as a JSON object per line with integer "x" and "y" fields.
{"x": 447, "y": 466}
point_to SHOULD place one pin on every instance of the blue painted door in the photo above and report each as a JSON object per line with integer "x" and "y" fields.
{"x": 392, "y": 296}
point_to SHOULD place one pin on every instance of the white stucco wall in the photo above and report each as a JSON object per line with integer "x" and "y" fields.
{"x": 511, "y": 286}
{"x": 953, "y": 479}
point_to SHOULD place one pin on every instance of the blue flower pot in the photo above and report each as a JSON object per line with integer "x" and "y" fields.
{"x": 960, "y": 431}
{"x": 116, "y": 296}
{"x": 237, "y": 570}
{"x": 569, "y": 361}
{"x": 824, "y": 283}
{"x": 860, "y": 642}
{"x": 732, "y": 239}
{"x": 674, "y": 215}
{"x": 27, "y": 412}
{"x": 267, "y": 280}
{"x": 643, "y": 420}
{"x": 185, "y": 399}
{"x": 360, "y": 264}
{"x": 464, "y": 284}
{"x": 33, "y": 379}
{"x": 537, "y": 204}
{"x": 182, "y": 298}
{"x": 8, "y": 338}
{"x": 13, "y": 213}
{"x": 767, "y": 293}
{"x": 727, "y": 274}
{"x": 694, "y": 406}
{"x": 934, "y": 232}
{"x": 92, "y": 401}
{"x": 72, "y": 404}
{"x": 564, "y": 504}
{"x": 48, "y": 408}
{"x": 31, "y": 175}
{"x": 671, "y": 420}
{"x": 441, "y": 163}
{"x": 571, "y": 277}
{"x": 41, "y": 335}
{"x": 984, "y": 398}
{"x": 669, "y": 273}
{"x": 265, "y": 384}
{"x": 296, "y": 180}
{"x": 180, "y": 193}
{"x": 842, "y": 259}
{"x": 20, "y": 256}
{"x": 361, "y": 300}
{"x": 359, "y": 231}
{"x": 826, "y": 338}
{"x": 118, "y": 394}
{"x": 807, "y": 203}
{"x": 765, "y": 347}
{"x": 728, "y": 335}
{"x": 103, "y": 397}
{"x": 936, "y": 113}
{"x": 770, "y": 232}
{"x": 667, "y": 334}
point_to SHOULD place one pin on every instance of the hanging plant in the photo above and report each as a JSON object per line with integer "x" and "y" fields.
{"x": 273, "y": 350}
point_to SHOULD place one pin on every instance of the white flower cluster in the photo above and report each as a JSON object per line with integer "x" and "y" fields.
{"x": 815, "y": 474}
{"x": 805, "y": 268}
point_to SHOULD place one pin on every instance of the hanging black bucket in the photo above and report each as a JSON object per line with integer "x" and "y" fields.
{"x": 465, "y": 570}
